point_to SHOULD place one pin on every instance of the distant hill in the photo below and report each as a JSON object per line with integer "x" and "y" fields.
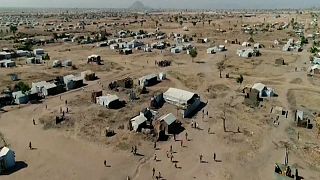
{"x": 138, "y": 5}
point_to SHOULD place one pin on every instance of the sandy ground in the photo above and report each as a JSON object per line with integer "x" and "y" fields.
{"x": 71, "y": 153}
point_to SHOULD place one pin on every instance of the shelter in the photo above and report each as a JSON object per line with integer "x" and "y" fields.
{"x": 316, "y": 60}
{"x": 109, "y": 101}
{"x": 35, "y": 60}
{"x": 56, "y": 63}
{"x": 88, "y": 75}
{"x": 73, "y": 82}
{"x": 302, "y": 120}
{"x": 168, "y": 123}
{"x": 148, "y": 80}
{"x": 46, "y": 88}
{"x": 185, "y": 100}
{"x": 211, "y": 50}
{"x": 279, "y": 61}
{"x": 7, "y": 63}
{"x": 263, "y": 90}
{"x": 38, "y": 52}
{"x": 94, "y": 59}
{"x": 66, "y": 63}
{"x": 7, "y": 159}
{"x": 125, "y": 51}
{"x": 20, "y": 97}
{"x": 314, "y": 70}
{"x": 138, "y": 122}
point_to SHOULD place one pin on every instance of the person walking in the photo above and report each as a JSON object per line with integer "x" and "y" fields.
{"x": 153, "y": 172}
{"x": 33, "y": 121}
{"x": 186, "y": 136}
{"x": 171, "y": 158}
{"x": 105, "y": 163}
{"x": 155, "y": 157}
{"x": 30, "y": 145}
{"x": 135, "y": 150}
{"x": 168, "y": 154}
{"x": 200, "y": 157}
{"x": 181, "y": 143}
{"x": 155, "y": 145}
{"x": 214, "y": 156}
{"x": 170, "y": 148}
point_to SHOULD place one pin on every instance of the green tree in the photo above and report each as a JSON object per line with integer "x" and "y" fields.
{"x": 314, "y": 50}
{"x": 180, "y": 22}
{"x": 176, "y": 18}
{"x": 13, "y": 29}
{"x": 193, "y": 53}
{"x": 194, "y": 23}
{"x": 46, "y": 57}
{"x": 22, "y": 86}
{"x": 303, "y": 41}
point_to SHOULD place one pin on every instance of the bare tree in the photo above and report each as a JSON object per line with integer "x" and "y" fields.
{"x": 221, "y": 67}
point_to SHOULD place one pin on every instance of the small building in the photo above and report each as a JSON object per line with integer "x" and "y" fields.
{"x": 35, "y": 60}
{"x": 44, "y": 88}
{"x": 302, "y": 120}
{"x": 279, "y": 61}
{"x": 56, "y": 63}
{"x": 88, "y": 75}
{"x": 125, "y": 51}
{"x": 22, "y": 53}
{"x": 211, "y": 50}
{"x": 314, "y": 70}
{"x": 73, "y": 82}
{"x": 138, "y": 122}
{"x": 114, "y": 46}
{"x": 7, "y": 63}
{"x": 38, "y": 52}
{"x": 7, "y": 159}
{"x": 66, "y": 63}
{"x": 245, "y": 44}
{"x": 148, "y": 80}
{"x": 168, "y": 123}
{"x": 109, "y": 101}
{"x": 162, "y": 76}
{"x": 20, "y": 97}
{"x": 187, "y": 101}
{"x": 316, "y": 60}
{"x": 247, "y": 53}
{"x": 176, "y": 50}
{"x": 258, "y": 45}
{"x": 94, "y": 96}
{"x": 94, "y": 59}
{"x": 5, "y": 55}
{"x": 264, "y": 91}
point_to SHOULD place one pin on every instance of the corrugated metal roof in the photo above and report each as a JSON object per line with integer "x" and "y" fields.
{"x": 136, "y": 121}
{"x": 179, "y": 95}
{"x": 258, "y": 86}
{"x": 169, "y": 118}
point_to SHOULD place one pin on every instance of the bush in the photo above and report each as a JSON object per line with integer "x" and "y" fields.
{"x": 21, "y": 86}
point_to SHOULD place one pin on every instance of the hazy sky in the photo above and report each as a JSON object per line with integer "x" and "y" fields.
{"x": 213, "y": 4}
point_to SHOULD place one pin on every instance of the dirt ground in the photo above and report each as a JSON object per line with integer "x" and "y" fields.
{"x": 77, "y": 148}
